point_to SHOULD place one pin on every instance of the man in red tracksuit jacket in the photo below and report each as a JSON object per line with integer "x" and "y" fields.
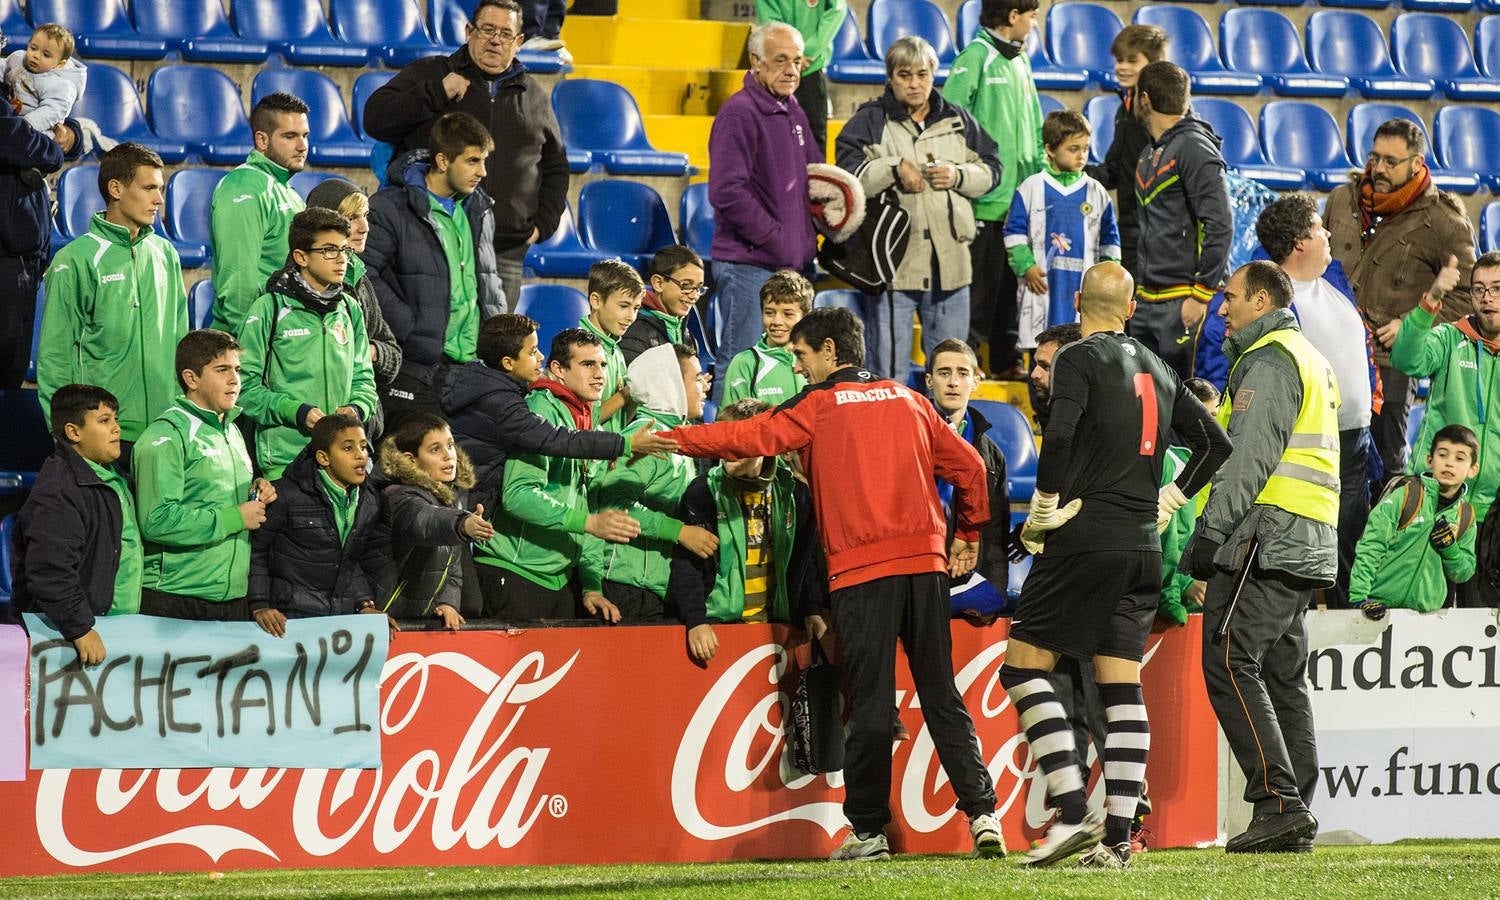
{"x": 871, "y": 449}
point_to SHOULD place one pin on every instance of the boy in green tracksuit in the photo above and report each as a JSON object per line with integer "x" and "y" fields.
{"x": 306, "y": 353}
{"x": 615, "y": 294}
{"x": 668, "y": 387}
{"x": 526, "y": 571}
{"x": 992, "y": 79}
{"x": 765, "y": 370}
{"x": 767, "y": 566}
{"x": 1420, "y": 536}
{"x": 818, "y": 21}
{"x": 1180, "y": 592}
{"x": 252, "y": 208}
{"x": 195, "y": 496}
{"x": 115, "y": 306}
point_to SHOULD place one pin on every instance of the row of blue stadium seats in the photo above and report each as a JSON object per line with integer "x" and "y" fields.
{"x": 1300, "y": 145}
{"x": 352, "y": 33}
{"x": 1428, "y": 53}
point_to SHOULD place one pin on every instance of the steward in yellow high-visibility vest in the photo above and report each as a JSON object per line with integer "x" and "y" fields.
{"x": 1267, "y": 538}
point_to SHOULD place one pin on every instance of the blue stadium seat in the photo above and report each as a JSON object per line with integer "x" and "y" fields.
{"x": 1050, "y": 104}
{"x": 1356, "y": 4}
{"x": 112, "y": 101}
{"x": 200, "y": 107}
{"x": 1341, "y": 42}
{"x": 891, "y": 20}
{"x": 392, "y": 29}
{"x": 563, "y": 255}
{"x": 1487, "y": 46}
{"x": 7, "y": 529}
{"x": 1012, "y": 434}
{"x": 1048, "y": 75}
{"x": 36, "y": 334}
{"x": 851, "y": 62}
{"x": 1414, "y": 424}
{"x": 1241, "y": 148}
{"x": 602, "y": 117}
{"x": 1015, "y": 576}
{"x": 190, "y": 195}
{"x": 100, "y": 27}
{"x": 77, "y": 199}
{"x": 1468, "y": 140}
{"x": 446, "y": 20}
{"x": 1427, "y": 45}
{"x": 967, "y": 26}
{"x": 1364, "y": 118}
{"x": 201, "y": 304}
{"x": 1078, "y": 37}
{"x": 1304, "y": 136}
{"x": 198, "y": 29}
{"x": 331, "y": 139}
{"x": 554, "y": 307}
{"x": 1489, "y": 227}
{"x": 364, "y": 86}
{"x": 298, "y": 30}
{"x": 1488, "y": 6}
{"x": 1100, "y": 112}
{"x": 13, "y": 24}
{"x": 1263, "y": 41}
{"x": 1439, "y": 6}
{"x": 304, "y": 182}
{"x": 695, "y": 217}
{"x": 1192, "y": 47}
{"x": 624, "y": 218}
{"x": 844, "y": 298}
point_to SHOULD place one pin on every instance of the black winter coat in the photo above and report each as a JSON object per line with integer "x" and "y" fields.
{"x": 405, "y": 261}
{"x": 67, "y": 545}
{"x": 297, "y": 563}
{"x": 421, "y": 534}
{"x": 527, "y": 173}
{"x": 27, "y": 210}
{"x": 487, "y": 411}
{"x": 1117, "y": 173}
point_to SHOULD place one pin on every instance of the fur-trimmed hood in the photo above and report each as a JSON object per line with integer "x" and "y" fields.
{"x": 399, "y": 469}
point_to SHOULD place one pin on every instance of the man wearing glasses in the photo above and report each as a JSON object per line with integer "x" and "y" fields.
{"x": 1394, "y": 232}
{"x": 304, "y": 352}
{"x": 527, "y": 168}
{"x": 1462, "y": 358}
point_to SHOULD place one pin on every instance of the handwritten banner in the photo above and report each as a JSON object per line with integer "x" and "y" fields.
{"x": 191, "y": 694}
{"x": 12, "y": 703}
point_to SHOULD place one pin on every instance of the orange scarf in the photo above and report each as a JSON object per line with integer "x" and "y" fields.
{"x": 1375, "y": 206}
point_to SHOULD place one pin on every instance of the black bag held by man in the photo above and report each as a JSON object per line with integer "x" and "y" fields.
{"x": 815, "y": 727}
{"x": 868, "y": 260}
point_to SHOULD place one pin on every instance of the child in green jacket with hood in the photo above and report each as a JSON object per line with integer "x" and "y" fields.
{"x": 766, "y": 371}
{"x": 1421, "y": 534}
{"x": 667, "y": 384}
{"x": 306, "y": 352}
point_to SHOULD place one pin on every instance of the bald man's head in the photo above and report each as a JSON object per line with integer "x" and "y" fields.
{"x": 1107, "y": 292}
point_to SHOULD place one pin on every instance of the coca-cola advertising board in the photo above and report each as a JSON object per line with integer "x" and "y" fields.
{"x": 523, "y": 747}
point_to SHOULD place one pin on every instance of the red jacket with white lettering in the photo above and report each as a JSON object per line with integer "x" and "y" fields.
{"x": 871, "y": 449}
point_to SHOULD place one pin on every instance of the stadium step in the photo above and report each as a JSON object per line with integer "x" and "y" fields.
{"x": 660, "y": 9}
{"x": 622, "y": 41}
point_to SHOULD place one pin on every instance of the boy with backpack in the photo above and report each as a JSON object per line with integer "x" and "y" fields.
{"x": 1421, "y": 533}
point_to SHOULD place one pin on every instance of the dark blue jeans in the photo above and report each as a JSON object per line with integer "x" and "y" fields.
{"x": 542, "y": 18}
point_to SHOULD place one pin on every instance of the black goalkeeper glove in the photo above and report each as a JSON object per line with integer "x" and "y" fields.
{"x": 1443, "y": 535}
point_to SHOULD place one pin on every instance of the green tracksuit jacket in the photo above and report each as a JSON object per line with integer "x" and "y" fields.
{"x": 614, "y": 376}
{"x": 1399, "y": 566}
{"x": 650, "y": 489}
{"x": 1465, "y": 390}
{"x": 818, "y": 21}
{"x": 115, "y": 311}
{"x": 763, "y": 372}
{"x": 251, "y": 212}
{"x": 293, "y": 357}
{"x": 999, "y": 92}
{"x": 539, "y": 527}
{"x": 191, "y": 474}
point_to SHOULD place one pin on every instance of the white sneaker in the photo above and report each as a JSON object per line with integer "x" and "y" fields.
{"x": 1101, "y": 857}
{"x": 544, "y": 44}
{"x": 854, "y": 847}
{"x": 989, "y": 843}
{"x": 1063, "y": 841}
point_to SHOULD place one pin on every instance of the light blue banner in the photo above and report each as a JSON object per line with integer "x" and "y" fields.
{"x": 176, "y": 694}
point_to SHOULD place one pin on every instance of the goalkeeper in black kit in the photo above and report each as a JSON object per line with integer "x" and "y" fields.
{"x": 1093, "y": 589}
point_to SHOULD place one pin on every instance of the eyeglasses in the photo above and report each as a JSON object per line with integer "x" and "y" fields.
{"x": 491, "y": 33}
{"x": 1388, "y": 162}
{"x": 331, "y": 252}
{"x": 687, "y": 287}
{"x": 1480, "y": 291}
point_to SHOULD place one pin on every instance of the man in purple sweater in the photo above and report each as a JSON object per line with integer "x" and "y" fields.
{"x": 759, "y": 150}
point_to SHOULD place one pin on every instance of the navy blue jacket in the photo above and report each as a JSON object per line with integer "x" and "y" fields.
{"x": 27, "y": 210}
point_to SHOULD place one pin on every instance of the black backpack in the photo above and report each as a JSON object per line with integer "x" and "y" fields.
{"x": 814, "y": 728}
{"x": 869, "y": 259}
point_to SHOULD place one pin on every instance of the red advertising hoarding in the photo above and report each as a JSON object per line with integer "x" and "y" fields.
{"x": 588, "y": 746}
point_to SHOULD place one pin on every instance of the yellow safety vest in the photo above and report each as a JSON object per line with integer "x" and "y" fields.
{"x": 1306, "y": 481}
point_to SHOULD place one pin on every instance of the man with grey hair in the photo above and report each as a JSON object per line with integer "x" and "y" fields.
{"x": 760, "y": 147}
{"x": 929, "y": 149}
{"x": 818, "y": 21}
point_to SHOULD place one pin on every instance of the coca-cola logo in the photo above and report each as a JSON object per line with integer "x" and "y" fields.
{"x": 508, "y": 777}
